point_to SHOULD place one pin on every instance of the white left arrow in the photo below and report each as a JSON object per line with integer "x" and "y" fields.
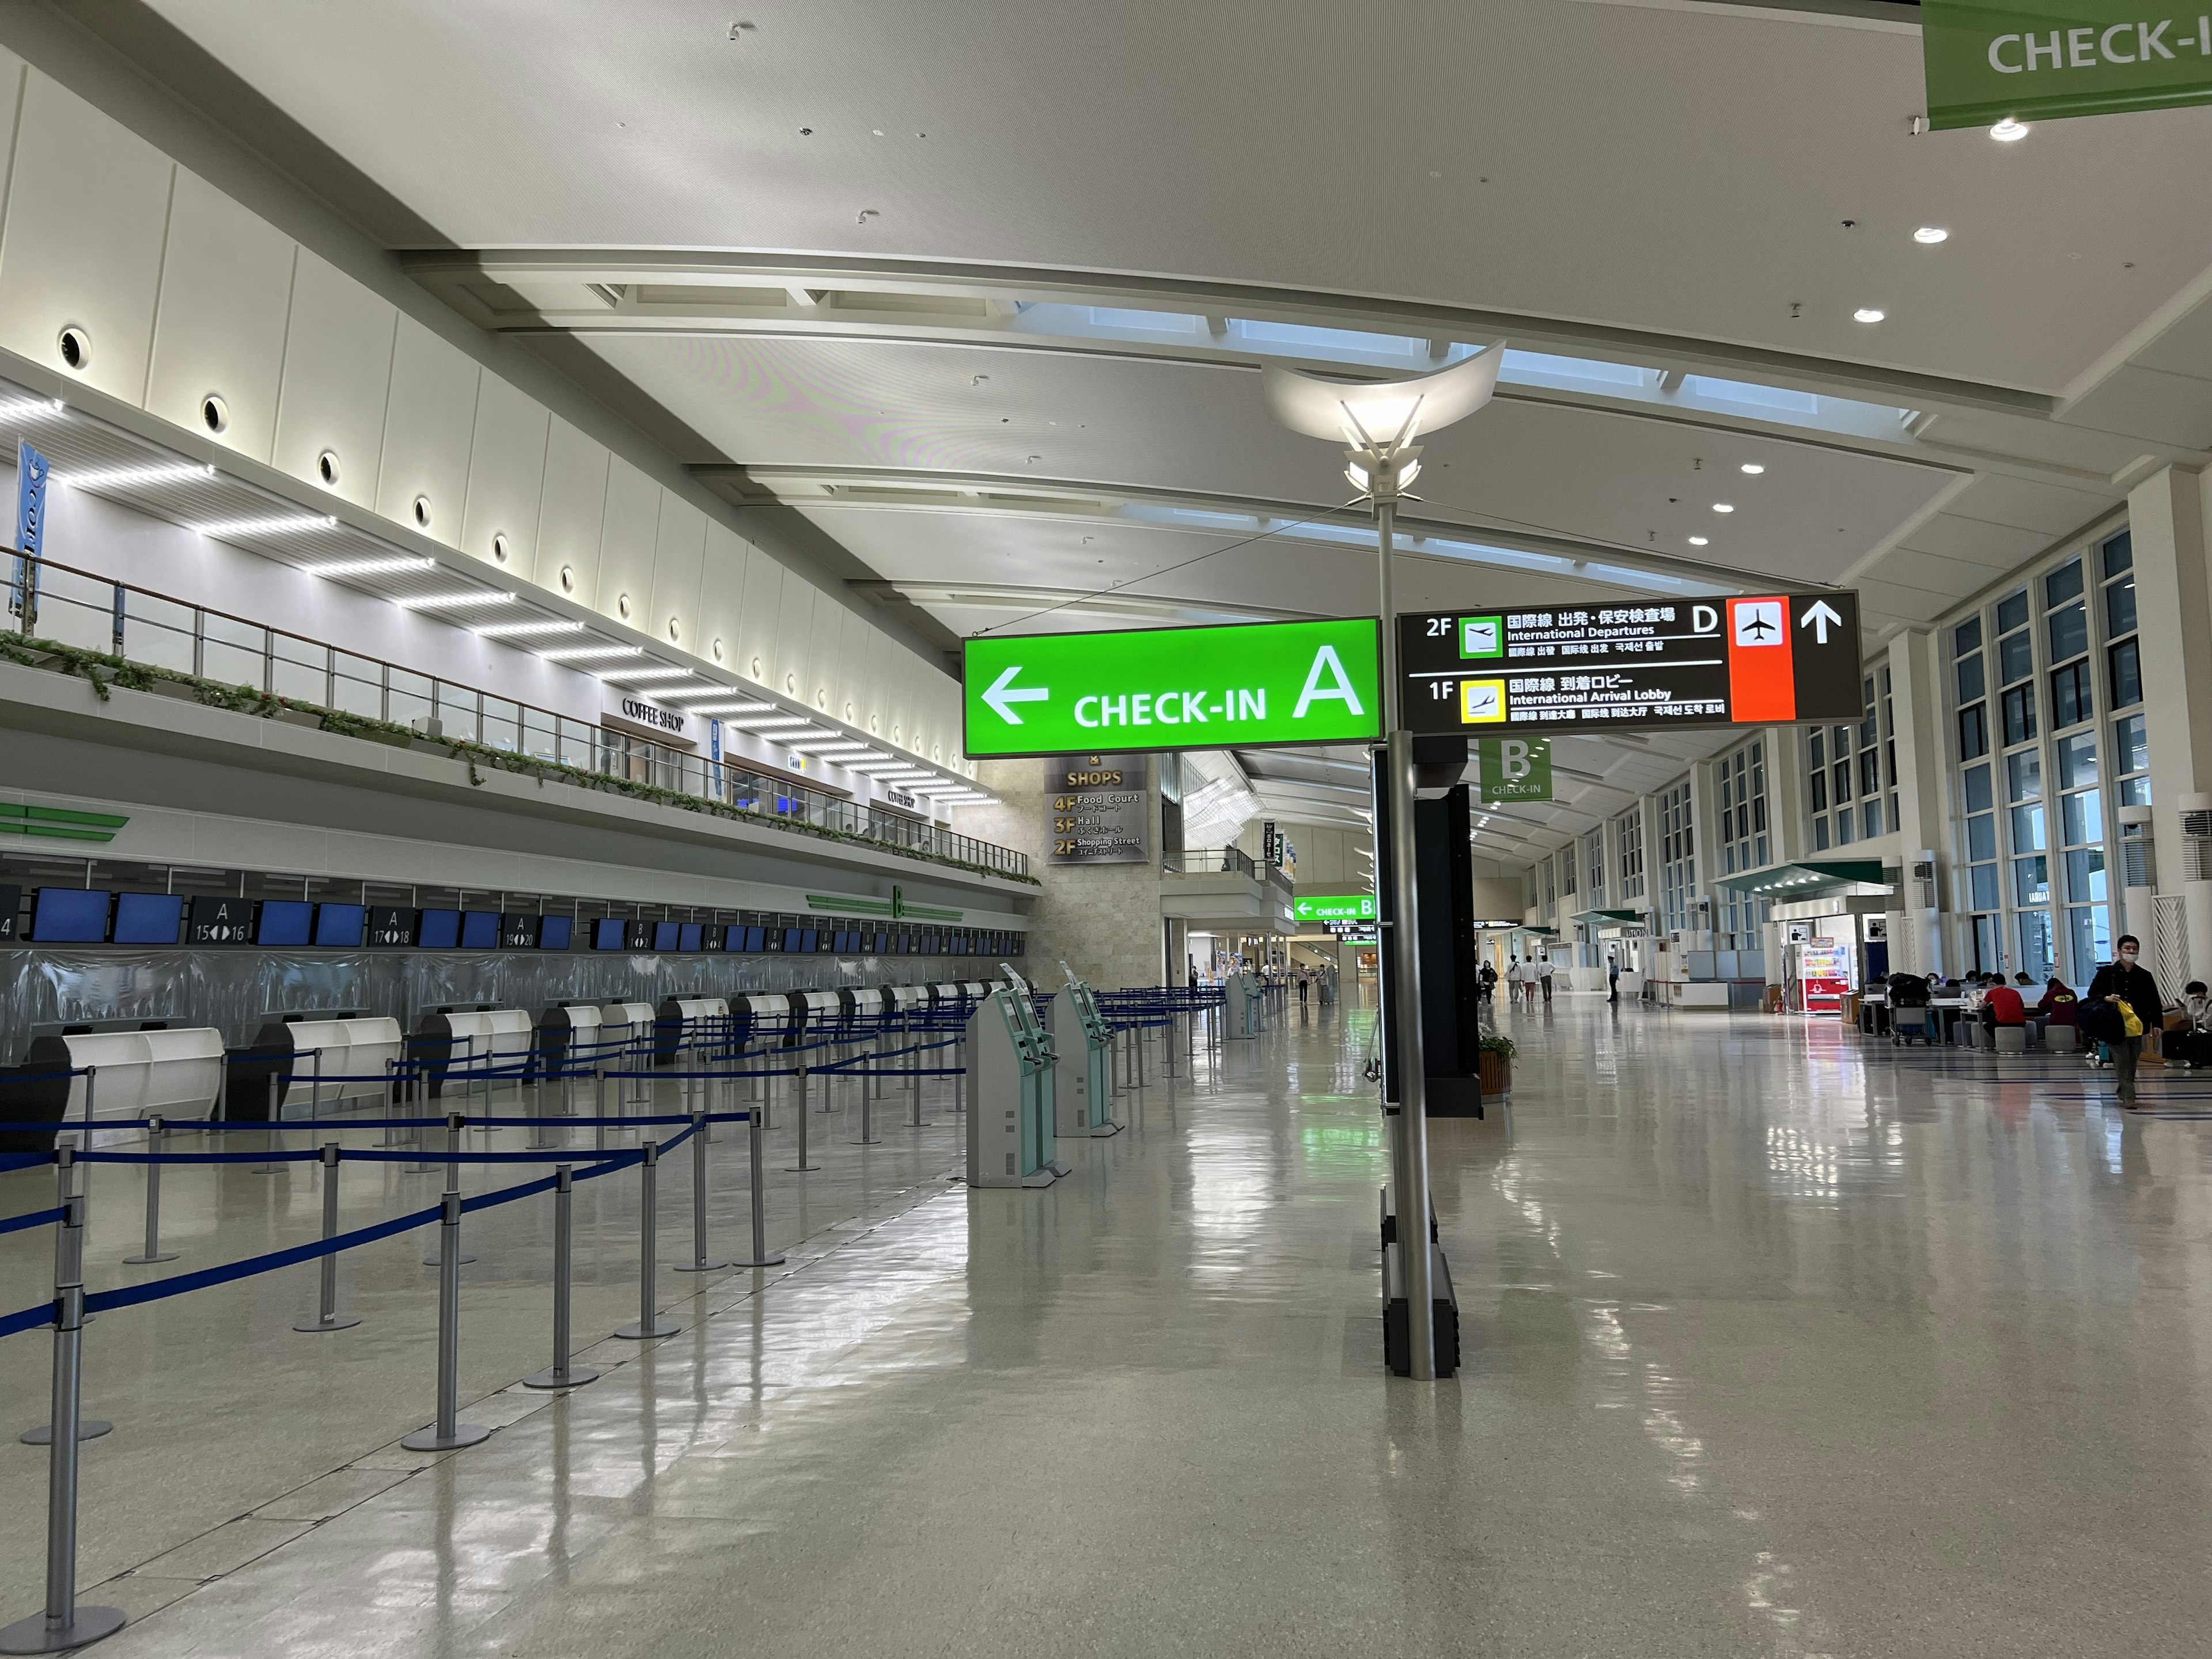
{"x": 1001, "y": 698}
{"x": 1819, "y": 619}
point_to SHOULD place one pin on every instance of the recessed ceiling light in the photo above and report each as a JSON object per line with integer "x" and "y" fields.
{"x": 2008, "y": 131}
{"x": 1697, "y": 541}
{"x": 1931, "y": 234}
{"x": 1722, "y": 507}
{"x": 1867, "y": 314}
{"x": 1753, "y": 468}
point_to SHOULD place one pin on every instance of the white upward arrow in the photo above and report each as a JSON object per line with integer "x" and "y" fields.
{"x": 1000, "y": 697}
{"x": 1817, "y": 619}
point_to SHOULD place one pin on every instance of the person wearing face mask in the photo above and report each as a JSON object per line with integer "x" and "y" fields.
{"x": 2125, "y": 980}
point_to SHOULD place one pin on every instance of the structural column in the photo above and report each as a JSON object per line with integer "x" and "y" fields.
{"x": 2166, "y": 518}
{"x": 1916, "y": 705}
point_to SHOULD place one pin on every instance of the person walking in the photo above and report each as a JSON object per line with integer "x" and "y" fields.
{"x": 1544, "y": 966}
{"x": 2125, "y": 987}
{"x": 1612, "y": 978}
{"x": 1513, "y": 983}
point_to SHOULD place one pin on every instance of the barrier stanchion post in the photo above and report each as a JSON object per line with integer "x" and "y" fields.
{"x": 562, "y": 1373}
{"x": 269, "y": 1141}
{"x": 327, "y": 1318}
{"x": 867, "y": 1120}
{"x": 157, "y": 1134}
{"x": 448, "y": 1433}
{"x": 699, "y": 1263}
{"x": 599, "y": 1100}
{"x": 455, "y": 1122}
{"x": 755, "y": 1151}
{"x": 63, "y": 1625}
{"x": 649, "y": 1324}
{"x": 798, "y": 1083}
{"x": 88, "y": 1428}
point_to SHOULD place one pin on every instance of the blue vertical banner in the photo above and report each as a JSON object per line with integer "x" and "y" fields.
{"x": 31, "y": 471}
{"x": 714, "y": 759}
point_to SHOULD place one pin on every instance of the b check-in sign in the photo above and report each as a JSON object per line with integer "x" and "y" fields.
{"x": 1148, "y": 689}
{"x": 1758, "y": 660}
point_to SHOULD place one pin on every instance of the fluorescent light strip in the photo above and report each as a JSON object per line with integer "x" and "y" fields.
{"x": 367, "y": 567}
{"x": 122, "y": 477}
{"x": 591, "y": 652}
{"x": 625, "y": 675}
{"x": 738, "y": 707}
{"x": 712, "y": 707}
{"x": 453, "y": 601}
{"x": 47, "y": 408}
{"x": 525, "y": 630}
{"x": 264, "y": 526}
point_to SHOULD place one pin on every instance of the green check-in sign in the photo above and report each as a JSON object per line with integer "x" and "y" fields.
{"x": 1333, "y": 906}
{"x": 1251, "y": 686}
{"x": 1514, "y": 769}
{"x": 2041, "y": 59}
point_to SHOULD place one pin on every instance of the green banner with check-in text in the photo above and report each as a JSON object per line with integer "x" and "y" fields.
{"x": 2047, "y": 60}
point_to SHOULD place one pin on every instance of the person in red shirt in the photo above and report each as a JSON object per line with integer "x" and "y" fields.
{"x": 2001, "y": 1005}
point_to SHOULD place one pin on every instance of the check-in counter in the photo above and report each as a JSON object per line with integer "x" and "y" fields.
{"x": 135, "y": 1074}
{"x": 820, "y": 1014}
{"x": 462, "y": 1041}
{"x": 761, "y": 1018}
{"x": 355, "y": 1055}
{"x": 686, "y": 1023}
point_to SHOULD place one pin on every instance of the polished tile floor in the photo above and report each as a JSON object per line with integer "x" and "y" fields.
{"x": 1779, "y": 1342}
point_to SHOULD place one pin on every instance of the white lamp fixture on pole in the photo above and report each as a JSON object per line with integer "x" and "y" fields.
{"x": 1379, "y": 421}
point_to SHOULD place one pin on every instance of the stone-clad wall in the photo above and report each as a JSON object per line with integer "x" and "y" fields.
{"x": 1103, "y": 920}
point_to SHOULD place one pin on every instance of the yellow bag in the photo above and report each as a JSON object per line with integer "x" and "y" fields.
{"x": 2129, "y": 1024}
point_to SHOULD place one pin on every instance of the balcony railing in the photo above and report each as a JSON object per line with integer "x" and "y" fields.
{"x": 185, "y": 643}
{"x": 1211, "y": 861}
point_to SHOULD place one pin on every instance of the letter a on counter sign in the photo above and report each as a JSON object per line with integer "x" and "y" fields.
{"x": 1338, "y": 688}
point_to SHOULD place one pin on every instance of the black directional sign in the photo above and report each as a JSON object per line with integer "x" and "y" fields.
{"x": 1758, "y": 660}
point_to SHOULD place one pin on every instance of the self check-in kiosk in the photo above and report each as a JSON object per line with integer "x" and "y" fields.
{"x": 1083, "y": 1088}
{"x": 1009, "y": 1111}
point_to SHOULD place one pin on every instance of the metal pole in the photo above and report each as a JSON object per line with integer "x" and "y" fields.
{"x": 448, "y": 1433}
{"x": 699, "y": 1263}
{"x": 799, "y": 1082}
{"x": 561, "y": 1373}
{"x": 64, "y": 1624}
{"x": 867, "y": 1122}
{"x": 269, "y": 1141}
{"x": 157, "y": 1132}
{"x": 88, "y": 1428}
{"x": 649, "y": 1324}
{"x": 754, "y": 1147}
{"x": 1411, "y": 1148}
{"x": 327, "y": 1318}
{"x": 455, "y": 1122}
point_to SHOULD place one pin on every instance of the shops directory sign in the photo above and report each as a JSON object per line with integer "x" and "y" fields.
{"x": 1098, "y": 807}
{"x": 2038, "y": 60}
{"x": 1764, "y": 659}
{"x": 1250, "y": 686}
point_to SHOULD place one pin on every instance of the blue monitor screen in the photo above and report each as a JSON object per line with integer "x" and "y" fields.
{"x": 607, "y": 933}
{"x": 553, "y": 933}
{"x": 148, "y": 918}
{"x": 809, "y": 939}
{"x": 687, "y": 937}
{"x": 284, "y": 922}
{"x": 71, "y": 916}
{"x": 479, "y": 930}
{"x": 791, "y": 939}
{"x": 340, "y": 926}
{"x": 439, "y": 930}
{"x": 665, "y": 935}
{"x": 755, "y": 939}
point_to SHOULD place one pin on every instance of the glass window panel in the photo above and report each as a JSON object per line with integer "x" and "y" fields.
{"x": 1820, "y": 792}
{"x": 2068, "y": 628}
{"x": 2089, "y": 937}
{"x": 2027, "y": 830}
{"x": 1846, "y": 827}
{"x": 1871, "y": 815}
{"x": 1985, "y": 942}
{"x": 1982, "y": 837}
{"x": 2031, "y": 880}
{"x": 2085, "y": 876}
{"x": 2134, "y": 792}
{"x": 2035, "y": 956}
{"x": 1820, "y": 834}
{"x": 1839, "y": 776}
{"x": 2083, "y": 818}
{"x": 1979, "y": 797}
{"x": 2015, "y": 658}
{"x": 1974, "y": 731}
{"x": 2077, "y": 761}
{"x": 2024, "y": 776}
{"x": 2120, "y": 607}
{"x": 1869, "y": 771}
{"x": 2125, "y": 662}
{"x": 2019, "y": 714}
{"x": 2119, "y": 553}
{"x": 2130, "y": 745}
{"x": 1983, "y": 881}
{"x": 1816, "y": 749}
{"x": 2012, "y": 611}
{"x": 2070, "y": 700}
{"x": 2062, "y": 584}
{"x": 1966, "y": 636}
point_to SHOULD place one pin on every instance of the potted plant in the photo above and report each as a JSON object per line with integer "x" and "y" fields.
{"x": 1494, "y": 1065}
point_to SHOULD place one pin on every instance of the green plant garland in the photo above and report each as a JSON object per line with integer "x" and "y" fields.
{"x": 104, "y": 672}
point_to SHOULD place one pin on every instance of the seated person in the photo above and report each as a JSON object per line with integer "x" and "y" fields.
{"x": 2001, "y": 1005}
{"x": 2188, "y": 1037}
{"x": 2059, "y": 1004}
